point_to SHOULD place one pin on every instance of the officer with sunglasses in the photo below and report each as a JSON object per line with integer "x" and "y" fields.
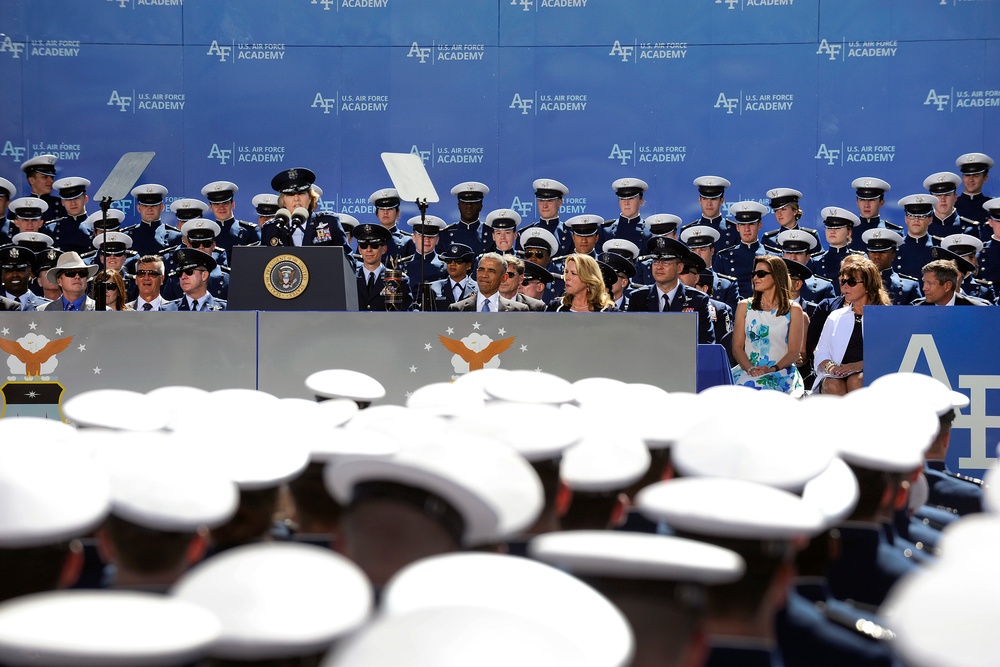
{"x": 194, "y": 268}
{"x": 199, "y": 234}
{"x": 374, "y": 241}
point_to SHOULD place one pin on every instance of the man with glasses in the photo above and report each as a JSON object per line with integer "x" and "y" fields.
{"x": 193, "y": 270}
{"x": 200, "y": 234}
{"x": 738, "y": 260}
{"x": 232, "y": 232}
{"x": 149, "y": 275}
{"x": 458, "y": 285}
{"x": 71, "y": 275}
{"x": 915, "y": 250}
{"x": 538, "y": 247}
{"x": 535, "y": 282}
{"x": 511, "y": 288}
{"x": 151, "y": 236}
{"x": 490, "y": 274}
{"x": 667, "y": 293}
{"x": 373, "y": 243}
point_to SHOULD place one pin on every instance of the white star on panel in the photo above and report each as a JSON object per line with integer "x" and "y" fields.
{"x": 59, "y": 331}
{"x": 413, "y": 369}
{"x": 450, "y": 330}
{"x": 501, "y": 331}
{"x": 82, "y": 347}
{"x": 97, "y": 370}
{"x": 427, "y": 346}
{"x": 33, "y": 326}
{"x": 5, "y": 331}
{"x": 475, "y": 325}
{"x": 524, "y": 348}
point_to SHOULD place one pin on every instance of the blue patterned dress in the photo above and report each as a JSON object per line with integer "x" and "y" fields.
{"x": 766, "y": 343}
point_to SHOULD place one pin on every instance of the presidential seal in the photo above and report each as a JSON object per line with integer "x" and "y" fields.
{"x": 286, "y": 276}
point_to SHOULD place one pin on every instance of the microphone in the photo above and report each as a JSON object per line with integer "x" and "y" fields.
{"x": 282, "y": 217}
{"x": 299, "y": 216}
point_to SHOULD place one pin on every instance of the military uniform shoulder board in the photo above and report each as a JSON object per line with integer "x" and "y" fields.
{"x": 903, "y": 275}
{"x": 356, "y": 255}
{"x": 406, "y": 259}
{"x": 691, "y": 224}
{"x": 131, "y": 253}
{"x": 936, "y": 239}
{"x": 88, "y": 254}
{"x": 402, "y": 233}
{"x": 224, "y": 268}
{"x": 856, "y": 622}
{"x": 249, "y": 225}
{"x": 608, "y": 223}
{"x": 984, "y": 283}
{"x": 170, "y": 228}
{"x": 773, "y": 232}
{"x": 822, "y": 278}
{"x": 964, "y": 478}
{"x": 723, "y": 275}
{"x": 560, "y": 258}
{"x": 169, "y": 249}
{"x": 892, "y": 225}
{"x": 852, "y": 251}
{"x": 727, "y": 249}
{"x": 969, "y": 221}
{"x": 810, "y": 230}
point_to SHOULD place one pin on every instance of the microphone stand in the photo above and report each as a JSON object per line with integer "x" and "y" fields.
{"x": 425, "y": 300}
{"x": 100, "y": 291}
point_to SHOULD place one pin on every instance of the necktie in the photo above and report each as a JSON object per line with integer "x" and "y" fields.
{"x": 457, "y": 289}
{"x": 71, "y": 306}
{"x": 147, "y": 306}
{"x": 194, "y": 305}
{"x": 666, "y": 304}
{"x": 486, "y": 306}
{"x": 371, "y": 282}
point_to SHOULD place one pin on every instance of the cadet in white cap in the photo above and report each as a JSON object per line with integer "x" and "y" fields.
{"x": 7, "y": 192}
{"x": 53, "y": 493}
{"x": 549, "y": 195}
{"x": 585, "y": 235}
{"x": 881, "y": 246}
{"x": 112, "y": 251}
{"x": 266, "y": 205}
{"x": 268, "y": 599}
{"x": 97, "y": 222}
{"x": 344, "y": 383}
{"x": 187, "y": 209}
{"x": 469, "y": 229}
{"x": 989, "y": 258}
{"x": 161, "y": 510}
{"x": 430, "y": 499}
{"x": 348, "y": 223}
{"x": 221, "y": 199}
{"x": 105, "y": 628}
{"x": 784, "y": 203}
{"x": 386, "y": 202}
{"x": 798, "y": 246}
{"x": 27, "y": 214}
{"x": 915, "y": 251}
{"x": 711, "y": 197}
{"x": 870, "y": 197}
{"x": 701, "y": 240}
{"x": 975, "y": 168}
{"x": 629, "y": 225}
{"x": 968, "y": 247}
{"x": 738, "y": 260}
{"x": 658, "y": 582}
{"x": 840, "y": 226}
{"x": 69, "y": 231}
{"x": 946, "y": 220}
{"x": 151, "y": 236}
{"x": 41, "y": 173}
{"x": 424, "y": 266}
{"x": 765, "y": 526}
{"x": 544, "y": 594}
{"x": 502, "y": 225}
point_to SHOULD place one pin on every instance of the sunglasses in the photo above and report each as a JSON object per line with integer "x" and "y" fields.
{"x": 202, "y": 243}
{"x": 76, "y": 273}
{"x": 850, "y": 282}
{"x": 110, "y": 286}
{"x": 760, "y": 273}
{"x": 147, "y": 272}
{"x": 511, "y": 274}
{"x": 528, "y": 281}
{"x": 191, "y": 271}
{"x": 365, "y": 245}
{"x": 535, "y": 254}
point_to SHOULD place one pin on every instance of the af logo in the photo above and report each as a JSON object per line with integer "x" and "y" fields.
{"x": 123, "y": 101}
{"x": 326, "y": 103}
{"x": 728, "y": 103}
{"x": 122, "y": 4}
{"x": 624, "y": 51}
{"x": 476, "y": 351}
{"x": 416, "y": 51}
{"x": 526, "y": 4}
{"x": 523, "y": 104}
{"x": 15, "y": 152}
{"x": 623, "y": 154}
{"x": 831, "y": 155}
{"x": 833, "y": 49}
{"x": 31, "y": 390}
{"x": 424, "y": 155}
{"x": 731, "y": 3}
{"x": 15, "y": 48}
{"x": 221, "y": 51}
{"x": 220, "y": 154}
{"x": 523, "y": 208}
{"x": 941, "y": 101}
{"x": 326, "y": 4}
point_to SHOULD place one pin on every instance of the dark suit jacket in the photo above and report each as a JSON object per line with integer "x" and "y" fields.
{"x": 960, "y": 300}
{"x": 374, "y": 301}
{"x": 9, "y": 304}
{"x": 534, "y": 305}
{"x": 469, "y": 304}
{"x": 444, "y": 297}
{"x": 646, "y": 300}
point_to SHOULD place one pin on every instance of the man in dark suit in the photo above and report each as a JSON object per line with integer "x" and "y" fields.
{"x": 373, "y": 243}
{"x": 667, "y": 294}
{"x": 510, "y": 288}
{"x": 457, "y": 258}
{"x": 940, "y": 281}
{"x": 491, "y": 272}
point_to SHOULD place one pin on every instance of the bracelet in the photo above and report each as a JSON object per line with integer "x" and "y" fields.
{"x": 827, "y": 366}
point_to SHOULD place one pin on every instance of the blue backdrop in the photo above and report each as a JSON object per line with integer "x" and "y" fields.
{"x": 767, "y": 93}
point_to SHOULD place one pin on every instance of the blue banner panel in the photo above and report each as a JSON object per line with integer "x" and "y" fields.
{"x": 920, "y": 20}
{"x": 955, "y": 345}
{"x": 56, "y": 23}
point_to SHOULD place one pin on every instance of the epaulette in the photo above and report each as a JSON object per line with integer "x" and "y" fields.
{"x": 400, "y": 231}
{"x": 608, "y": 223}
{"x": 690, "y": 224}
{"x": 560, "y": 258}
{"x": 970, "y": 221}
{"x": 224, "y": 268}
{"x": 723, "y": 275}
{"x": 727, "y": 249}
{"x": 816, "y": 275}
{"x": 356, "y": 255}
{"x": 400, "y": 260}
{"x": 903, "y": 275}
{"x": 249, "y": 225}
{"x": 169, "y": 249}
{"x": 856, "y": 622}
{"x": 893, "y": 226}
{"x": 936, "y": 239}
{"x": 938, "y": 525}
{"x": 983, "y": 282}
{"x": 170, "y": 228}
{"x": 773, "y": 232}
{"x": 446, "y": 227}
{"x": 964, "y": 478}
{"x": 88, "y": 254}
{"x": 852, "y": 251}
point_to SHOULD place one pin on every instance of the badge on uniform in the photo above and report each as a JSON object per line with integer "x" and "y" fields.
{"x": 323, "y": 233}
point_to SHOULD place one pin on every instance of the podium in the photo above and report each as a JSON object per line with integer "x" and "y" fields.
{"x": 291, "y": 278}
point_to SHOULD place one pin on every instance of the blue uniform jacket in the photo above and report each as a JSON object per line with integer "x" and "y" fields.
{"x": 687, "y": 299}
